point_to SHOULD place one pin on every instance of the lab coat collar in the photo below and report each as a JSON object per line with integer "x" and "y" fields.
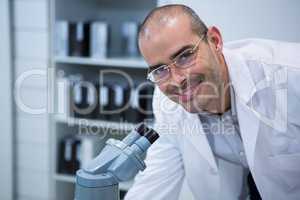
{"x": 193, "y": 130}
{"x": 244, "y": 87}
{"x": 239, "y": 75}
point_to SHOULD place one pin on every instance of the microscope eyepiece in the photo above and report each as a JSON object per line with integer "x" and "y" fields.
{"x": 142, "y": 129}
{"x": 147, "y": 132}
{"x": 151, "y": 135}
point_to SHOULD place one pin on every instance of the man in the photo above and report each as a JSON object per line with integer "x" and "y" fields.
{"x": 221, "y": 112}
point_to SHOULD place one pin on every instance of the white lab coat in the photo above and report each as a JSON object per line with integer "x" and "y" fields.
{"x": 264, "y": 74}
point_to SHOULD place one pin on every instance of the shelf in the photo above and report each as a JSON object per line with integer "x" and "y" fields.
{"x": 123, "y": 126}
{"x": 62, "y": 124}
{"x": 112, "y": 62}
{"x": 71, "y": 179}
{"x": 65, "y": 178}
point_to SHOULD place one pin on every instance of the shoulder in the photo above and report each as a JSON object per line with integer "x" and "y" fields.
{"x": 165, "y": 109}
{"x": 168, "y": 117}
{"x": 267, "y": 51}
{"x": 274, "y": 65}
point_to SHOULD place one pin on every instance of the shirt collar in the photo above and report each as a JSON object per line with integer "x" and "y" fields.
{"x": 232, "y": 101}
{"x": 232, "y": 109}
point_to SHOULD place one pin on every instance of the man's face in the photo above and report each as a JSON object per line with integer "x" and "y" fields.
{"x": 197, "y": 87}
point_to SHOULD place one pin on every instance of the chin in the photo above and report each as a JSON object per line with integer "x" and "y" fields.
{"x": 195, "y": 106}
{"x": 190, "y": 108}
{"x": 192, "y": 111}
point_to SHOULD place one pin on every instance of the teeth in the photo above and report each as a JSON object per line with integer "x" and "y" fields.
{"x": 188, "y": 91}
{"x": 194, "y": 84}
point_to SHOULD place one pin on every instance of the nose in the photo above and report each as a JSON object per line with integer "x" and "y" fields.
{"x": 177, "y": 76}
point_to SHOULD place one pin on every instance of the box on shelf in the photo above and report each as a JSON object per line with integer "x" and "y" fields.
{"x": 109, "y": 101}
{"x": 61, "y": 38}
{"x": 76, "y": 151}
{"x": 79, "y": 39}
{"x": 91, "y": 39}
{"x": 99, "y": 39}
{"x": 129, "y": 39}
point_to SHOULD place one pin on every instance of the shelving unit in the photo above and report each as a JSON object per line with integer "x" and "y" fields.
{"x": 111, "y": 62}
{"x": 95, "y": 123}
{"x": 114, "y": 12}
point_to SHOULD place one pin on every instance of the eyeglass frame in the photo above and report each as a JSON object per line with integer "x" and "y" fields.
{"x": 174, "y": 60}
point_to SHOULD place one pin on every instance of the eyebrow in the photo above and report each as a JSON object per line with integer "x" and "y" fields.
{"x": 179, "y": 51}
{"x": 174, "y": 55}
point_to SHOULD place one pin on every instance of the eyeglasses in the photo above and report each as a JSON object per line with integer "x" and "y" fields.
{"x": 184, "y": 60}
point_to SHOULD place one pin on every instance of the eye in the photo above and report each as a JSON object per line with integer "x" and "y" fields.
{"x": 161, "y": 72}
{"x": 185, "y": 57}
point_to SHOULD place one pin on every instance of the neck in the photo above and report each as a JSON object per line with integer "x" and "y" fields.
{"x": 223, "y": 103}
{"x": 226, "y": 87}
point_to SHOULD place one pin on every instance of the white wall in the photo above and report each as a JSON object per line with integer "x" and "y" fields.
{"x": 237, "y": 19}
{"x": 6, "y": 150}
{"x": 31, "y": 51}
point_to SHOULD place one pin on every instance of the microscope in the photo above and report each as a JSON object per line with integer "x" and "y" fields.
{"x": 118, "y": 161}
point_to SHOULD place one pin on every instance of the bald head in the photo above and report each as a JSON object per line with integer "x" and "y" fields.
{"x": 164, "y": 15}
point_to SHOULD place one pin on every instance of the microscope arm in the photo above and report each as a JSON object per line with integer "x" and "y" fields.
{"x": 119, "y": 161}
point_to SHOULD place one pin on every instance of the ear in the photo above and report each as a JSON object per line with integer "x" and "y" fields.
{"x": 215, "y": 38}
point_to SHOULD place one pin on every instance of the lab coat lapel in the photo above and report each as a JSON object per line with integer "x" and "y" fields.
{"x": 244, "y": 87}
{"x": 249, "y": 127}
{"x": 193, "y": 131}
